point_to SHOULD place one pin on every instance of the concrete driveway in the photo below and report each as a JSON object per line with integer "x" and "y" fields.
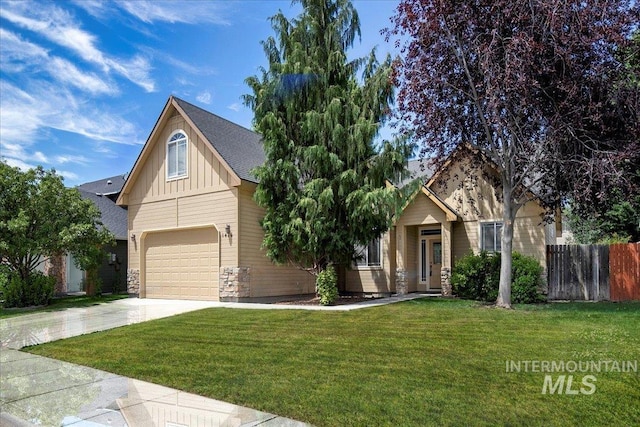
{"x": 36, "y": 390}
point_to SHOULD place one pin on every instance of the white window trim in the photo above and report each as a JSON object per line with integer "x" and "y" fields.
{"x": 380, "y": 254}
{"x": 186, "y": 160}
{"x": 480, "y": 235}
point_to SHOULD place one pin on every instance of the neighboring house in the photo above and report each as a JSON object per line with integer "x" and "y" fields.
{"x": 194, "y": 228}
{"x": 69, "y": 278}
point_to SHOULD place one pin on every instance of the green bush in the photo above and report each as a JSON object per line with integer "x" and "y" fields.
{"x": 37, "y": 290}
{"x": 327, "y": 286}
{"x": 526, "y": 279}
{"x": 478, "y": 277}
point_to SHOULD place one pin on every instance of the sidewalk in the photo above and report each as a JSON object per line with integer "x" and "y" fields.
{"x": 36, "y": 390}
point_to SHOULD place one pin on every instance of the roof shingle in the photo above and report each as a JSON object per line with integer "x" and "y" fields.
{"x": 241, "y": 148}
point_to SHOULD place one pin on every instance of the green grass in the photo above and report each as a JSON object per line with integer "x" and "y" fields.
{"x": 418, "y": 363}
{"x": 61, "y": 303}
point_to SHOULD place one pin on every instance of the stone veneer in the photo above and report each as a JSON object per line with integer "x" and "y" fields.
{"x": 133, "y": 281}
{"x": 235, "y": 282}
{"x": 402, "y": 281}
{"x": 445, "y": 281}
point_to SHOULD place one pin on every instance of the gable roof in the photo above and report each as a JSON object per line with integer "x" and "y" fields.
{"x": 106, "y": 186}
{"x": 418, "y": 168}
{"x": 240, "y": 147}
{"x": 113, "y": 216}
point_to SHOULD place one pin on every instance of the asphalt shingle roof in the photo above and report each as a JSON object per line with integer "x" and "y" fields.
{"x": 107, "y": 186}
{"x": 241, "y": 148}
{"x": 113, "y": 216}
{"x": 417, "y": 169}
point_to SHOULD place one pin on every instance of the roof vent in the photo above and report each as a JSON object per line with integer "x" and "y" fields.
{"x": 109, "y": 182}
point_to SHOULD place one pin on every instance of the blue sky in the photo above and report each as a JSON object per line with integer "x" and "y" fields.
{"x": 82, "y": 82}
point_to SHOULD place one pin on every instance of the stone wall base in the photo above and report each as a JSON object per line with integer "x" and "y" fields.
{"x": 133, "y": 281}
{"x": 402, "y": 281}
{"x": 235, "y": 283}
{"x": 445, "y": 282}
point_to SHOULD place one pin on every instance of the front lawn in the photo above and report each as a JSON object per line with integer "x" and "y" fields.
{"x": 61, "y": 303}
{"x": 417, "y": 363}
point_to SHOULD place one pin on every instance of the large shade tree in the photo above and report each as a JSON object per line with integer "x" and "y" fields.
{"x": 603, "y": 203}
{"x": 41, "y": 218}
{"x": 319, "y": 112}
{"x": 527, "y": 84}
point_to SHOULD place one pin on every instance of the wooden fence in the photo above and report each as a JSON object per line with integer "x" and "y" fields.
{"x": 594, "y": 272}
{"x": 624, "y": 272}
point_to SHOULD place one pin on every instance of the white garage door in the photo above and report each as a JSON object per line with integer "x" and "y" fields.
{"x": 182, "y": 264}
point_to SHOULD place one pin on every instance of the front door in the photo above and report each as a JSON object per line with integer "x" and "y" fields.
{"x": 435, "y": 262}
{"x": 429, "y": 259}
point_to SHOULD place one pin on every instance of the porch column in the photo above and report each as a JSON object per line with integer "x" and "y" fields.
{"x": 445, "y": 271}
{"x": 402, "y": 282}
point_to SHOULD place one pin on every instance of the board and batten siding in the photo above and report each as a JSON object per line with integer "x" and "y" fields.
{"x": 267, "y": 279}
{"x": 204, "y": 171}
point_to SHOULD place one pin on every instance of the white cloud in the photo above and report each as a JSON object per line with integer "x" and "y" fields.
{"x": 60, "y": 27}
{"x": 66, "y": 72}
{"x": 16, "y": 163}
{"x": 204, "y": 97}
{"x": 70, "y": 158}
{"x": 19, "y": 54}
{"x": 16, "y": 155}
{"x": 95, "y": 8}
{"x": 68, "y": 175}
{"x": 235, "y": 107}
{"x": 137, "y": 70}
{"x": 23, "y": 115}
{"x": 190, "y": 12}
{"x": 39, "y": 157}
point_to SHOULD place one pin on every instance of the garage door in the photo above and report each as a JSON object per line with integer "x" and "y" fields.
{"x": 182, "y": 264}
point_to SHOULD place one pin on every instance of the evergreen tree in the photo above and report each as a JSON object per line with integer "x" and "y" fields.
{"x": 323, "y": 182}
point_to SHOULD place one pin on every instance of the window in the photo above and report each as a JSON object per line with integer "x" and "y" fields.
{"x": 177, "y": 155}
{"x": 490, "y": 236}
{"x": 370, "y": 255}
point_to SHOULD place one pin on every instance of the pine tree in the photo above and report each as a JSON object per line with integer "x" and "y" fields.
{"x": 323, "y": 182}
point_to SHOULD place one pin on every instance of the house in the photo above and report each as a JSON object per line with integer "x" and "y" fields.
{"x": 195, "y": 232}
{"x": 194, "y": 229}
{"x": 454, "y": 212}
{"x": 112, "y": 272}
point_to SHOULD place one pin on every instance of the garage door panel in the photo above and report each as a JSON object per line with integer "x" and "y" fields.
{"x": 182, "y": 264}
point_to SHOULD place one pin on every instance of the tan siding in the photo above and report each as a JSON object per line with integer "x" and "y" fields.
{"x": 204, "y": 171}
{"x": 219, "y": 208}
{"x": 376, "y": 280}
{"x": 468, "y": 193}
{"x": 267, "y": 279}
{"x": 421, "y": 210}
{"x": 412, "y": 258}
{"x": 474, "y": 198}
{"x": 528, "y": 234}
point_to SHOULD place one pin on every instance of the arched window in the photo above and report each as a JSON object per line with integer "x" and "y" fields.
{"x": 177, "y": 155}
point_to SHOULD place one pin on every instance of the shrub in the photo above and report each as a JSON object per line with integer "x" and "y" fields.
{"x": 526, "y": 279}
{"x": 36, "y": 290}
{"x": 478, "y": 277}
{"x": 327, "y": 286}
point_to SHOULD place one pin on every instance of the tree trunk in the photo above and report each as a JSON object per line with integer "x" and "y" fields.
{"x": 504, "y": 290}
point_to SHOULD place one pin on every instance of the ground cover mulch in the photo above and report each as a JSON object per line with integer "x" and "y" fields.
{"x": 314, "y": 300}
